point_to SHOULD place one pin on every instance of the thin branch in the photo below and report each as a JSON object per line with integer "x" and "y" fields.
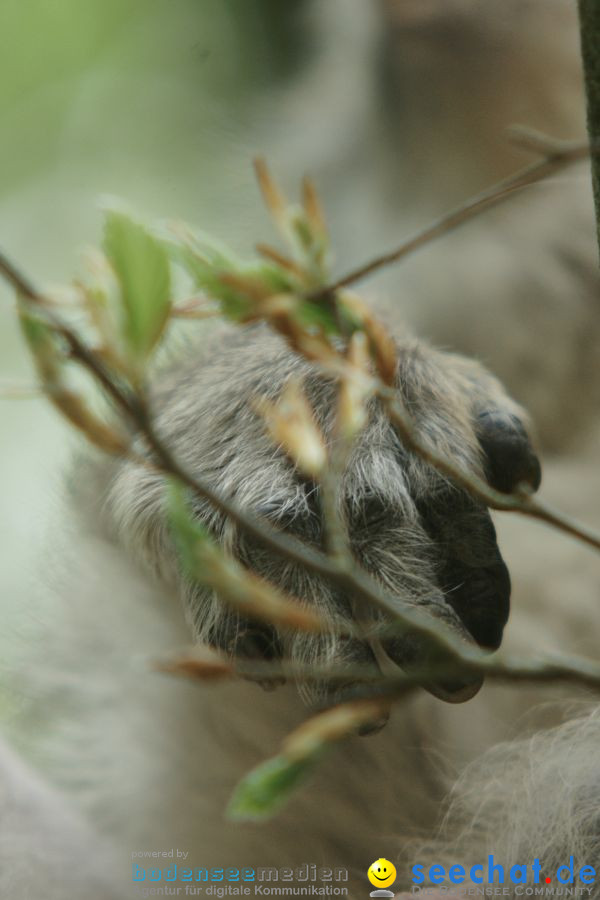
{"x": 350, "y": 577}
{"x": 380, "y": 682}
{"x": 195, "y": 308}
{"x": 589, "y": 19}
{"x": 336, "y": 537}
{"x": 120, "y": 395}
{"x": 522, "y": 501}
{"x": 558, "y": 154}
{"x": 368, "y": 680}
{"x": 346, "y": 574}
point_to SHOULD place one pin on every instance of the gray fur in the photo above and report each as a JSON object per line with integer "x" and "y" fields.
{"x": 525, "y": 800}
{"x": 427, "y": 542}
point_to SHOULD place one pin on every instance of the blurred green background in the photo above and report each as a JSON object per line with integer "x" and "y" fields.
{"x": 144, "y": 99}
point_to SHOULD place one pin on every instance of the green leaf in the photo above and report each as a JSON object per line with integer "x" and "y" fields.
{"x": 275, "y": 277}
{"x": 206, "y": 264}
{"x": 267, "y": 788}
{"x": 303, "y": 232}
{"x": 348, "y": 320}
{"x": 42, "y": 344}
{"x": 189, "y": 535}
{"x": 205, "y": 272}
{"x": 311, "y": 248}
{"x": 141, "y": 264}
{"x": 37, "y": 332}
{"x": 316, "y": 314}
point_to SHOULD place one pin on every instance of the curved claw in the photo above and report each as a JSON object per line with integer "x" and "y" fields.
{"x": 510, "y": 458}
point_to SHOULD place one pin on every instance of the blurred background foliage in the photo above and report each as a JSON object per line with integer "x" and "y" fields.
{"x": 135, "y": 95}
{"x": 143, "y": 99}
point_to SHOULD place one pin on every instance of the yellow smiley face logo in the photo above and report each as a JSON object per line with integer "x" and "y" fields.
{"x": 381, "y": 873}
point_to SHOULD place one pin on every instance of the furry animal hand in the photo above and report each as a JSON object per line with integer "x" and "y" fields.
{"x": 429, "y": 543}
